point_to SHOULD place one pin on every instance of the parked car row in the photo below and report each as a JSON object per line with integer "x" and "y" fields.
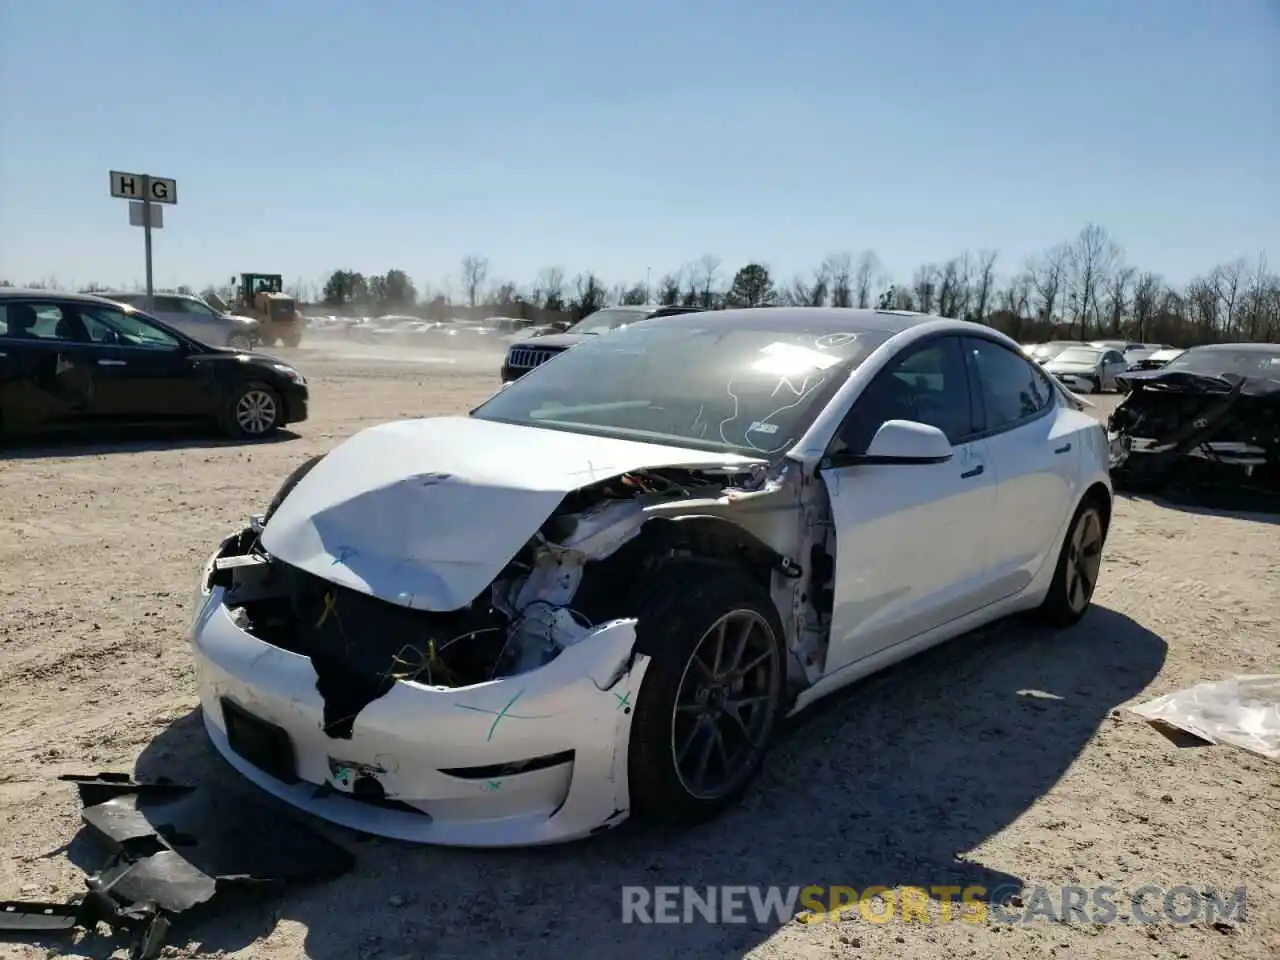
{"x": 76, "y": 361}
{"x": 1092, "y": 366}
{"x": 396, "y": 328}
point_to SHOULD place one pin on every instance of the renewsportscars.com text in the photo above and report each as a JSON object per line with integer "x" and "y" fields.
{"x": 1180, "y": 904}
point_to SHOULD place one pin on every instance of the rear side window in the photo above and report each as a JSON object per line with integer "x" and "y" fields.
{"x": 1013, "y": 389}
{"x": 33, "y": 320}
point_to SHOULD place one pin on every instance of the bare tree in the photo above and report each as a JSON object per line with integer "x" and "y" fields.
{"x": 1015, "y": 298}
{"x": 924, "y": 287}
{"x": 1226, "y": 280}
{"x": 954, "y": 291}
{"x": 866, "y": 277}
{"x": 1092, "y": 257}
{"x": 1202, "y": 307}
{"x": 475, "y": 270}
{"x": 1146, "y": 300}
{"x": 549, "y": 290}
{"x": 669, "y": 289}
{"x": 1118, "y": 285}
{"x": 1048, "y": 276}
{"x": 703, "y": 275}
{"x": 984, "y": 289}
{"x": 838, "y": 270}
{"x": 808, "y": 293}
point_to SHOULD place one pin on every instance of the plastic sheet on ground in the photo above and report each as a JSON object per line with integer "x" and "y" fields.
{"x": 1243, "y": 711}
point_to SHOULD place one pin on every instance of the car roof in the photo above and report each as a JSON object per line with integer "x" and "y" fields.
{"x": 819, "y": 319}
{"x": 1243, "y": 347}
{"x": 28, "y": 293}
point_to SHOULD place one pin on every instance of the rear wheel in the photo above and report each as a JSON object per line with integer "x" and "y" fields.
{"x": 253, "y": 411}
{"x": 712, "y": 694}
{"x": 1079, "y": 563}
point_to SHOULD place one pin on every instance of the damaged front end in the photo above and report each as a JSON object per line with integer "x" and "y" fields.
{"x": 503, "y": 720}
{"x": 1178, "y": 429}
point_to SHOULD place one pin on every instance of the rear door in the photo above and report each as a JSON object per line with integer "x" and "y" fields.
{"x": 144, "y": 372}
{"x": 46, "y": 373}
{"x": 1034, "y": 454}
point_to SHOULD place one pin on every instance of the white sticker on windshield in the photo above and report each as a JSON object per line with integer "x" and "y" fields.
{"x": 788, "y": 359}
{"x": 761, "y": 427}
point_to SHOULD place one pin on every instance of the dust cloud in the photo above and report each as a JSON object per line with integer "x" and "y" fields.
{"x": 461, "y": 349}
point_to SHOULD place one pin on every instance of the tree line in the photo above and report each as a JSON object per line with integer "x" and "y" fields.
{"x": 1083, "y": 289}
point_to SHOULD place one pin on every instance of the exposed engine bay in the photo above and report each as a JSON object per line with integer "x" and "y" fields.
{"x": 583, "y": 569}
{"x": 1187, "y": 430}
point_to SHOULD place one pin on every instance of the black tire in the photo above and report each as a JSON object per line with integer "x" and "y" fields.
{"x": 240, "y": 341}
{"x": 675, "y": 613}
{"x": 290, "y": 482}
{"x": 239, "y": 419}
{"x": 1062, "y": 605}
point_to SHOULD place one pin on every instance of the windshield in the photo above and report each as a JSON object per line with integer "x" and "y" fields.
{"x": 1212, "y": 363}
{"x": 1078, "y": 355}
{"x": 605, "y": 320}
{"x": 746, "y": 386}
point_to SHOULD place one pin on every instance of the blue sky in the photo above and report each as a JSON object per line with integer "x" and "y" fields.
{"x": 308, "y": 135}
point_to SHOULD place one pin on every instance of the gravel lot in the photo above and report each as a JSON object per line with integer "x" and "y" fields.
{"x": 947, "y": 770}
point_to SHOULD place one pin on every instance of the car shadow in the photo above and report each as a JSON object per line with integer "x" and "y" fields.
{"x": 1236, "y": 505}
{"x": 140, "y": 440}
{"x": 892, "y": 782}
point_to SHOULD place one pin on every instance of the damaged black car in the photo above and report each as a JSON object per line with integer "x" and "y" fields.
{"x": 1208, "y": 420}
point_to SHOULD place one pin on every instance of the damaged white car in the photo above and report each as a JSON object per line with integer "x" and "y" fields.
{"x": 598, "y": 593}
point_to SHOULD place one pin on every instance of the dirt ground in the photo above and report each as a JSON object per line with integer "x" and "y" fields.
{"x": 998, "y": 759}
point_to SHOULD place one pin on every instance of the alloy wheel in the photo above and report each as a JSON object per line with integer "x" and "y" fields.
{"x": 1084, "y": 560}
{"x": 725, "y": 705}
{"x": 256, "y": 412}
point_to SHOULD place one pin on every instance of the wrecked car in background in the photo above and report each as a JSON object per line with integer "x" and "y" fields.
{"x": 1209, "y": 417}
{"x": 599, "y": 592}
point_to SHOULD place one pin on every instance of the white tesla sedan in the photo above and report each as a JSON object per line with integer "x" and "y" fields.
{"x": 599, "y": 592}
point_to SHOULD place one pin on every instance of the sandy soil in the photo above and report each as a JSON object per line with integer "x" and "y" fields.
{"x": 946, "y": 770}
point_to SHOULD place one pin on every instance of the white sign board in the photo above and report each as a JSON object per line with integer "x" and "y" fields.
{"x": 129, "y": 186}
{"x": 136, "y": 215}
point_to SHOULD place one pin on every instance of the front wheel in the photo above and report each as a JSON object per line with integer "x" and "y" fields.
{"x": 253, "y": 411}
{"x": 712, "y": 694}
{"x": 240, "y": 341}
{"x": 1079, "y": 563}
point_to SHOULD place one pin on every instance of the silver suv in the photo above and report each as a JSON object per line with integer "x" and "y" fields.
{"x": 196, "y": 319}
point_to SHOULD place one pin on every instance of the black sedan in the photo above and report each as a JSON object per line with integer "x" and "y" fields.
{"x": 75, "y": 361}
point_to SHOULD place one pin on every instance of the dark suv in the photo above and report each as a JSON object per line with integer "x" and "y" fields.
{"x": 524, "y": 355}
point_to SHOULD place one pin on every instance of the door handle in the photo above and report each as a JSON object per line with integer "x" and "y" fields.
{"x": 1065, "y": 448}
{"x": 971, "y": 473}
{"x": 112, "y": 363}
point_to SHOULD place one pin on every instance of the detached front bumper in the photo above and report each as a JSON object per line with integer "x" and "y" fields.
{"x": 533, "y": 759}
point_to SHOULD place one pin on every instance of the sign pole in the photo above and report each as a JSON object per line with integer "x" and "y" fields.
{"x": 146, "y": 239}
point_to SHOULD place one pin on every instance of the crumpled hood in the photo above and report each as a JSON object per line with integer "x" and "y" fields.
{"x": 426, "y": 513}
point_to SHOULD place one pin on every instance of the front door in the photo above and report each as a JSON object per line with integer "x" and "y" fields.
{"x": 912, "y": 540}
{"x": 143, "y": 371}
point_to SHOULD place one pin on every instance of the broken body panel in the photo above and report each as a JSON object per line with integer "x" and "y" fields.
{"x": 1179, "y": 427}
{"x": 481, "y": 693}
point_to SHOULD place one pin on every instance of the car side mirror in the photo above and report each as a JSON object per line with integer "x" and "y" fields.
{"x": 900, "y": 443}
